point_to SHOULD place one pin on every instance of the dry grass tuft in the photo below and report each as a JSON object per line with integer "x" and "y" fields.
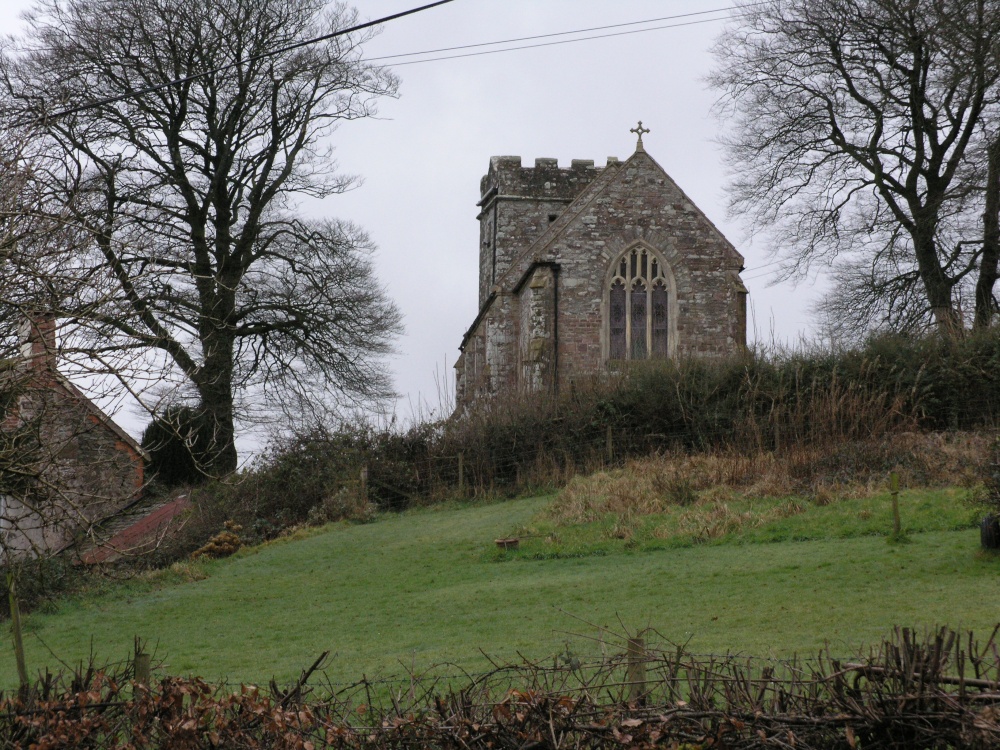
{"x": 705, "y": 482}
{"x": 186, "y": 571}
{"x": 624, "y": 527}
{"x": 713, "y": 518}
{"x": 590, "y": 498}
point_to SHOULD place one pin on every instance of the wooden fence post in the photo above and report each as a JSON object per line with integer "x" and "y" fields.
{"x": 894, "y": 490}
{"x": 611, "y": 447}
{"x": 15, "y": 627}
{"x": 364, "y": 485}
{"x": 461, "y": 473}
{"x": 636, "y": 677}
{"x": 141, "y": 664}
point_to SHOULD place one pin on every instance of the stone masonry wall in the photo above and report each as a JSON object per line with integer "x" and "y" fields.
{"x": 518, "y": 204}
{"x": 501, "y": 344}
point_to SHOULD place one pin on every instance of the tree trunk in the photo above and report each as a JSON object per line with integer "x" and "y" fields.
{"x": 215, "y": 386}
{"x": 985, "y": 306}
{"x": 936, "y": 282}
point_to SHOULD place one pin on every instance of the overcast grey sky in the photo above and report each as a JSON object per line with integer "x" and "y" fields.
{"x": 422, "y": 159}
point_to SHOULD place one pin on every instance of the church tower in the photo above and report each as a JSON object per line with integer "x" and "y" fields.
{"x": 516, "y": 206}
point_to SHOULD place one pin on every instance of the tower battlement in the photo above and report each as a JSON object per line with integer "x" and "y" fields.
{"x": 546, "y": 180}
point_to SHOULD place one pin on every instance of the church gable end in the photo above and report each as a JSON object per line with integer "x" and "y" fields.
{"x": 587, "y": 266}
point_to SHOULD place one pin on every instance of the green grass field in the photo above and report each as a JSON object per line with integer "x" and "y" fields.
{"x": 429, "y": 588}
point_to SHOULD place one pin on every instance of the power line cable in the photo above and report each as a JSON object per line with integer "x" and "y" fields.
{"x": 557, "y": 33}
{"x": 563, "y": 41}
{"x": 243, "y": 61}
{"x": 754, "y": 269}
{"x": 761, "y": 275}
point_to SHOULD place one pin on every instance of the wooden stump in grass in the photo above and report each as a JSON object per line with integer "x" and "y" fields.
{"x": 989, "y": 532}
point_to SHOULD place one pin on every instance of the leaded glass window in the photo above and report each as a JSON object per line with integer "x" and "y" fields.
{"x": 617, "y": 312}
{"x": 659, "y": 319}
{"x": 638, "y": 307}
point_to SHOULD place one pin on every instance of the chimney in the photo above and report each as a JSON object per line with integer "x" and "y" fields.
{"x": 38, "y": 340}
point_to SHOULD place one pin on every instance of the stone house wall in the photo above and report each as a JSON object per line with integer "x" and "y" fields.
{"x": 88, "y": 467}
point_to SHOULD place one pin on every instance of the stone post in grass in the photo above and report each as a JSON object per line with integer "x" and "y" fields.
{"x": 141, "y": 664}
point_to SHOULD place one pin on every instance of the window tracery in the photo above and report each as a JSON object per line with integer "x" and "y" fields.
{"x": 638, "y": 307}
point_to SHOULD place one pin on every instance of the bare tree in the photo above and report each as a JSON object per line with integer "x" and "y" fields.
{"x": 187, "y": 193}
{"x": 858, "y": 130}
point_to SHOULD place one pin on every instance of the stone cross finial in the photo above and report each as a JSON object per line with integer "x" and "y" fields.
{"x": 639, "y": 131}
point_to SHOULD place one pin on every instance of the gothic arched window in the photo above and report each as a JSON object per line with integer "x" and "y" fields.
{"x": 638, "y": 307}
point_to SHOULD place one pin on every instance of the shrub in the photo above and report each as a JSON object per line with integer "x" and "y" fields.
{"x": 987, "y": 495}
{"x": 223, "y": 544}
{"x": 345, "y": 505}
{"x": 176, "y": 446}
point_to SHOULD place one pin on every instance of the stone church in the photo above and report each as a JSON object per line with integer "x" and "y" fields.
{"x": 584, "y": 268}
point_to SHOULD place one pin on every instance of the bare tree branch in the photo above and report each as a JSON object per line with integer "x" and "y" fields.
{"x": 853, "y": 124}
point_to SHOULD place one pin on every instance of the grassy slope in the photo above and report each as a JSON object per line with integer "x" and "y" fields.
{"x": 426, "y": 588}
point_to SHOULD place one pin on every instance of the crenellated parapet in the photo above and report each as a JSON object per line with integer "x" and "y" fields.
{"x": 507, "y": 177}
